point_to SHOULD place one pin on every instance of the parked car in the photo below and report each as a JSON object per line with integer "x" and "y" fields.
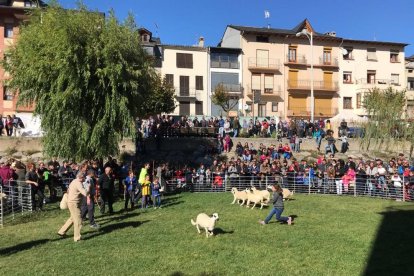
{"x": 356, "y": 132}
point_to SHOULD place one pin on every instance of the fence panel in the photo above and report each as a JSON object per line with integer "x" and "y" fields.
{"x": 17, "y": 200}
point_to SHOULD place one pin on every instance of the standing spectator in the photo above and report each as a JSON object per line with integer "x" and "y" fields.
{"x": 130, "y": 185}
{"x": 6, "y": 174}
{"x": 155, "y": 191}
{"x": 9, "y": 125}
{"x": 236, "y": 127}
{"x": 227, "y": 143}
{"x": 88, "y": 204}
{"x": 106, "y": 186}
{"x": 221, "y": 126}
{"x": 344, "y": 144}
{"x": 1, "y": 125}
{"x": 297, "y": 143}
{"x": 146, "y": 191}
{"x": 32, "y": 178}
{"x": 75, "y": 193}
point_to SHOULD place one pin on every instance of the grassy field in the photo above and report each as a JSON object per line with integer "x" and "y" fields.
{"x": 330, "y": 236}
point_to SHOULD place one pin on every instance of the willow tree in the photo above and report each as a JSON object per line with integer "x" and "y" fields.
{"x": 223, "y": 98}
{"x": 387, "y": 113}
{"x": 88, "y": 78}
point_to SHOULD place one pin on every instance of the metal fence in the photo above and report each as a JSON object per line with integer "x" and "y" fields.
{"x": 297, "y": 183}
{"x": 16, "y": 199}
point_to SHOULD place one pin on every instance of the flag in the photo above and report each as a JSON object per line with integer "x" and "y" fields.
{"x": 267, "y": 14}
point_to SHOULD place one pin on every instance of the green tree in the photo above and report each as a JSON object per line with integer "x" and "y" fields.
{"x": 223, "y": 98}
{"x": 386, "y": 111}
{"x": 87, "y": 76}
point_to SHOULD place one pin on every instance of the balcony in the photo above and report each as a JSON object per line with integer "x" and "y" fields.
{"x": 224, "y": 62}
{"x": 317, "y": 85}
{"x": 296, "y": 60}
{"x": 266, "y": 94}
{"x": 233, "y": 89}
{"x": 301, "y": 111}
{"x": 379, "y": 83}
{"x": 327, "y": 62}
{"x": 183, "y": 93}
{"x": 264, "y": 64}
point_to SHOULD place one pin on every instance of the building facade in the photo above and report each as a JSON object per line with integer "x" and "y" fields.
{"x": 12, "y": 13}
{"x": 186, "y": 69}
{"x": 277, "y": 70}
{"x": 225, "y": 68}
{"x": 409, "y": 66}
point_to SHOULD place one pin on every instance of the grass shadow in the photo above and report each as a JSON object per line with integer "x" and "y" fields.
{"x": 220, "y": 231}
{"x": 113, "y": 227}
{"x": 106, "y": 219}
{"x": 21, "y": 247}
{"x": 391, "y": 253}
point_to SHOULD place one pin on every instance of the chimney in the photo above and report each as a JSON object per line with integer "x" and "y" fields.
{"x": 201, "y": 42}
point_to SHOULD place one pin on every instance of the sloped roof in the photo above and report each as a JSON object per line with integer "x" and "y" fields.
{"x": 305, "y": 24}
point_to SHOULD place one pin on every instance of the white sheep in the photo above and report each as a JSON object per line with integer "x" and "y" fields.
{"x": 264, "y": 193}
{"x": 3, "y": 200}
{"x": 206, "y": 222}
{"x": 255, "y": 198}
{"x": 239, "y": 195}
{"x": 287, "y": 194}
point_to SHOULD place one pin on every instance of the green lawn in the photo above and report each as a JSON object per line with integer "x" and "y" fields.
{"x": 330, "y": 236}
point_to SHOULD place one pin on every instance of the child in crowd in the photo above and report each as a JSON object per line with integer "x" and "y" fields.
{"x": 130, "y": 186}
{"x": 155, "y": 191}
{"x": 146, "y": 191}
{"x": 278, "y": 207}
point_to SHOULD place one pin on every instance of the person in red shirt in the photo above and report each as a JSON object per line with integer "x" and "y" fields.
{"x": 265, "y": 127}
{"x": 287, "y": 151}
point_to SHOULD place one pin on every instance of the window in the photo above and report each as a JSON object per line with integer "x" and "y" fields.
{"x": 275, "y": 107}
{"x": 327, "y": 56}
{"x": 261, "y": 38}
{"x": 169, "y": 79}
{"x": 199, "y": 82}
{"x": 7, "y": 94}
{"x": 410, "y": 84}
{"x": 184, "y": 108}
{"x": 347, "y": 77}
{"x": 184, "y": 86}
{"x": 371, "y": 76}
{"x": 268, "y": 88}
{"x": 292, "y": 54}
{"x": 30, "y": 4}
{"x": 199, "y": 108}
{"x": 145, "y": 38}
{"x": 347, "y": 102}
{"x": 256, "y": 83}
{"x": 395, "y": 79}
{"x": 358, "y": 100}
{"x": 8, "y": 31}
{"x": 372, "y": 54}
{"x": 347, "y": 53}
{"x": 394, "y": 56}
{"x": 262, "y": 110}
{"x": 184, "y": 60}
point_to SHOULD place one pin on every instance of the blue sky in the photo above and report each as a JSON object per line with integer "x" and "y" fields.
{"x": 183, "y": 21}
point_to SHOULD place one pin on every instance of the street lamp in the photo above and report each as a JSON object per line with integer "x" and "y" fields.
{"x": 309, "y": 35}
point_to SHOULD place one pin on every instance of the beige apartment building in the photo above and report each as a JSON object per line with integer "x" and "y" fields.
{"x": 277, "y": 66}
{"x": 186, "y": 69}
{"x": 12, "y": 13}
{"x": 409, "y": 65}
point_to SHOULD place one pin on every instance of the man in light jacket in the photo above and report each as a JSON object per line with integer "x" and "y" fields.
{"x": 75, "y": 194}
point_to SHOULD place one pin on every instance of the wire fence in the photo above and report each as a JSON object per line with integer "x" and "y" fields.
{"x": 379, "y": 187}
{"x": 15, "y": 199}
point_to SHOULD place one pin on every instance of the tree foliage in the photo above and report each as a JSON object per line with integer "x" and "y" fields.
{"x": 223, "y": 98}
{"x": 387, "y": 113}
{"x": 88, "y": 77}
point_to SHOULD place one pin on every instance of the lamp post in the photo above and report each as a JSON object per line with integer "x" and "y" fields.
{"x": 309, "y": 35}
